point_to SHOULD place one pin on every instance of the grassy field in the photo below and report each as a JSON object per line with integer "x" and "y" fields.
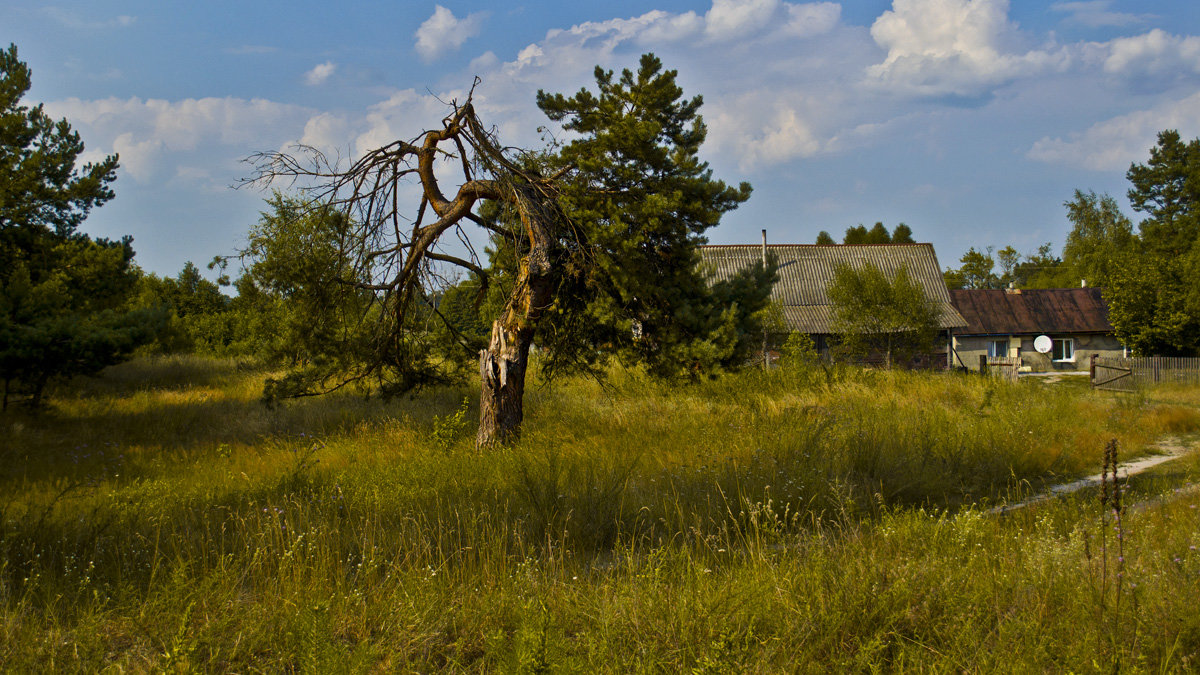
{"x": 160, "y": 518}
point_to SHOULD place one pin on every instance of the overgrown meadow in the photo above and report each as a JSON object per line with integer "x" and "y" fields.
{"x": 160, "y": 518}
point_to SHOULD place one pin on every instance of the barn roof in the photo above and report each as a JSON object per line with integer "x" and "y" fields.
{"x": 805, "y": 270}
{"x": 1055, "y": 310}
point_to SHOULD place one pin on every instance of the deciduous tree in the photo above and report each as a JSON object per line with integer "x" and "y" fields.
{"x": 1100, "y": 237}
{"x": 976, "y": 271}
{"x": 874, "y": 313}
{"x": 1154, "y": 288}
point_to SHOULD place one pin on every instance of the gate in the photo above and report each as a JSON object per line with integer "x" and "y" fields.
{"x": 1006, "y": 367}
{"x": 1112, "y": 373}
{"x": 1126, "y": 374}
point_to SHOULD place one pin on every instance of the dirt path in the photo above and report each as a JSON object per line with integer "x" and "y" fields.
{"x": 1170, "y": 448}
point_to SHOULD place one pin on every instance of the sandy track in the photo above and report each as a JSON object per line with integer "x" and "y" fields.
{"x": 1170, "y": 448}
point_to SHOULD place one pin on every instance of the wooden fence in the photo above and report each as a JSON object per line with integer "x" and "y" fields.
{"x": 1126, "y": 374}
{"x": 1006, "y": 367}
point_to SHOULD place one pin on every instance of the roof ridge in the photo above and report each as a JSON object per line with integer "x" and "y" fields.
{"x": 915, "y": 243}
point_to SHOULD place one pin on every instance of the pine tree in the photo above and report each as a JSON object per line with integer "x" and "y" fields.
{"x": 61, "y": 294}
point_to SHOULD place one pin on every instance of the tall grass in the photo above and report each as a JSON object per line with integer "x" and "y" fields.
{"x": 161, "y": 518}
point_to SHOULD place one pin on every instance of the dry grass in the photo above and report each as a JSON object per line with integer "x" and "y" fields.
{"x": 160, "y": 518}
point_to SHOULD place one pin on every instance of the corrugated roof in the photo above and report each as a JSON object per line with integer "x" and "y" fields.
{"x": 1053, "y": 310}
{"x": 805, "y": 270}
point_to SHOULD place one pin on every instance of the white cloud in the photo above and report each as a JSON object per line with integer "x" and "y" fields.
{"x": 812, "y": 19}
{"x": 139, "y": 158}
{"x": 731, "y": 19}
{"x": 485, "y": 61}
{"x": 320, "y": 73}
{"x": 754, "y": 114}
{"x": 402, "y": 115}
{"x": 1114, "y": 143}
{"x": 146, "y": 132}
{"x": 763, "y": 127}
{"x": 443, "y": 32}
{"x": 1095, "y": 14}
{"x": 950, "y": 47}
{"x": 328, "y": 133}
{"x": 72, "y": 20}
{"x": 663, "y": 27}
{"x": 1155, "y": 53}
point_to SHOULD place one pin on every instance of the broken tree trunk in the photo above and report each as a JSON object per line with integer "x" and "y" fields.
{"x": 503, "y": 364}
{"x": 502, "y": 369}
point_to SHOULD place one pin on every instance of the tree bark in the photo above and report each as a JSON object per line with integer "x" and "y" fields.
{"x": 502, "y": 369}
{"x": 503, "y": 364}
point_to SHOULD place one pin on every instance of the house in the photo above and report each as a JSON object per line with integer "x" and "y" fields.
{"x": 806, "y": 270}
{"x": 1006, "y": 322}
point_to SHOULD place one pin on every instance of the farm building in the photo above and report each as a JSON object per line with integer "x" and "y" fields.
{"x": 806, "y": 270}
{"x": 1005, "y": 322}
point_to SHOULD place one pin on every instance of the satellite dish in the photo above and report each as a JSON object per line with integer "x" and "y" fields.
{"x": 1043, "y": 344}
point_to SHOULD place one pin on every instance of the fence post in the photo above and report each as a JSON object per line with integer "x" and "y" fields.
{"x": 1092, "y": 367}
{"x": 982, "y": 364}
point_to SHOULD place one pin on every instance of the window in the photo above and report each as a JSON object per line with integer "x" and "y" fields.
{"x": 997, "y": 347}
{"x": 1063, "y": 350}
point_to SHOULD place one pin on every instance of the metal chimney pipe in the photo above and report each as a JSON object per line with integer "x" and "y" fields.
{"x": 764, "y": 248}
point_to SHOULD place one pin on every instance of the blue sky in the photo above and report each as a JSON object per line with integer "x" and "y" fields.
{"x": 972, "y": 121}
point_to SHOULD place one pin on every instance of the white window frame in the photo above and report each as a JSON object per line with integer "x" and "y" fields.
{"x": 1067, "y": 342}
{"x": 991, "y": 347}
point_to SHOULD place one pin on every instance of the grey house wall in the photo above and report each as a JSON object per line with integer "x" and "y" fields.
{"x": 971, "y": 347}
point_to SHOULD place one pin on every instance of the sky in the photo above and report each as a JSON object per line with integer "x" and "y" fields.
{"x": 971, "y": 121}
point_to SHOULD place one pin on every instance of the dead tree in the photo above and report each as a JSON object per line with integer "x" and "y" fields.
{"x": 396, "y": 255}
{"x": 603, "y": 229}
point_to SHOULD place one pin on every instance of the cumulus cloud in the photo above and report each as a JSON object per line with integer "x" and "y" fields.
{"x": 145, "y": 131}
{"x": 320, "y": 73}
{"x": 327, "y": 132}
{"x": 737, "y": 19}
{"x": 950, "y": 47}
{"x": 1156, "y": 53}
{"x": 1114, "y": 143}
{"x": 485, "y": 61}
{"x": 1096, "y": 14}
{"x": 791, "y": 49}
{"x": 792, "y": 96}
{"x": 731, "y": 19}
{"x": 663, "y": 27}
{"x": 765, "y": 127}
{"x": 402, "y": 115}
{"x": 812, "y": 19}
{"x": 443, "y": 32}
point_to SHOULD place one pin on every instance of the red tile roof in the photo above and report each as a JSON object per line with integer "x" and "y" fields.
{"x": 1054, "y": 310}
